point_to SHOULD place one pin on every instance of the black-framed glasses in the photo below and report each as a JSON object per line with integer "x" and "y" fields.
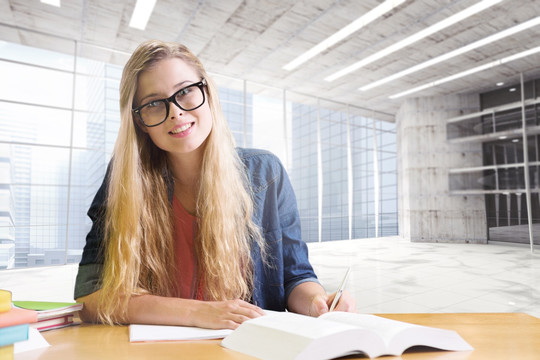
{"x": 187, "y": 98}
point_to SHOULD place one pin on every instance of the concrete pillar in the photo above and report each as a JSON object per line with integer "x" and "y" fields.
{"x": 427, "y": 212}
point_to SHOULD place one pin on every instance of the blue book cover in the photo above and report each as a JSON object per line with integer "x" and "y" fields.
{"x": 12, "y": 334}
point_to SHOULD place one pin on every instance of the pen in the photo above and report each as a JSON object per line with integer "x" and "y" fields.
{"x": 340, "y": 290}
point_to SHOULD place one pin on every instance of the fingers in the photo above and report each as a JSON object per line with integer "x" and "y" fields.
{"x": 242, "y": 311}
{"x": 230, "y": 314}
{"x": 318, "y": 306}
{"x": 346, "y": 302}
{"x": 254, "y": 310}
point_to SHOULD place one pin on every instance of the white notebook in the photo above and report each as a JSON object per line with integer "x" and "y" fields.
{"x": 139, "y": 333}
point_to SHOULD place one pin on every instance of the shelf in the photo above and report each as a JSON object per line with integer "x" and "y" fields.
{"x": 511, "y": 106}
{"x": 491, "y": 167}
{"x": 531, "y": 130}
{"x": 491, "y": 192}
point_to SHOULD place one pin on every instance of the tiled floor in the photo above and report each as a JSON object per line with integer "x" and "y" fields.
{"x": 388, "y": 275}
{"x": 51, "y": 283}
{"x": 391, "y": 275}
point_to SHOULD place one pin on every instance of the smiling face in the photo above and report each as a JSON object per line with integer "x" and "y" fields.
{"x": 183, "y": 132}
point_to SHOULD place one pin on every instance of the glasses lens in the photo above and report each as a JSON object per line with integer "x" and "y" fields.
{"x": 154, "y": 112}
{"x": 190, "y": 97}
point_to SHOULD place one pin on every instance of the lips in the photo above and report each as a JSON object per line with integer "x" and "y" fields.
{"x": 181, "y": 128}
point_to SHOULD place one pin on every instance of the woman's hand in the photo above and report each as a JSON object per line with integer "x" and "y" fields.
{"x": 227, "y": 314}
{"x": 151, "y": 309}
{"x": 321, "y": 304}
{"x": 309, "y": 298}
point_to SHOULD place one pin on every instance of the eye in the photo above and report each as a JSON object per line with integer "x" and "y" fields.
{"x": 184, "y": 91}
{"x": 154, "y": 104}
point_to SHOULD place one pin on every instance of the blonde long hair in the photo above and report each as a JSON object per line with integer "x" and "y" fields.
{"x": 139, "y": 243}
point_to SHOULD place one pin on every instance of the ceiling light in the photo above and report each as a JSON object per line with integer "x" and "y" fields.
{"x": 515, "y": 140}
{"x": 499, "y": 83}
{"x": 52, "y": 2}
{"x": 344, "y": 32}
{"x": 469, "y": 72}
{"x": 512, "y": 89}
{"x": 502, "y": 137}
{"x": 416, "y": 37}
{"x": 487, "y": 40}
{"x": 141, "y": 13}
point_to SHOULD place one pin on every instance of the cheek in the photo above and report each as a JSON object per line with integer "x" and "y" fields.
{"x": 205, "y": 118}
{"x": 156, "y": 136}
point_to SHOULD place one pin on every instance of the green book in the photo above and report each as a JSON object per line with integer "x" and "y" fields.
{"x": 44, "y": 305}
{"x": 48, "y": 309}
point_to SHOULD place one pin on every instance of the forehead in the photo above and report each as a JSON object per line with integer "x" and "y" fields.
{"x": 165, "y": 76}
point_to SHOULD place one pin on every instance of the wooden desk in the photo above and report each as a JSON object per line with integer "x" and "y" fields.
{"x": 493, "y": 336}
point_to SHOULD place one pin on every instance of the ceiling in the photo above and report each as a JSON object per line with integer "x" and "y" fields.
{"x": 254, "y": 39}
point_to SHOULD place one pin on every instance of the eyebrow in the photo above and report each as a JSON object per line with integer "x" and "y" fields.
{"x": 178, "y": 86}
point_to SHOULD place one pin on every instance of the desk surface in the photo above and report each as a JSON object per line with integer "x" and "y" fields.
{"x": 493, "y": 336}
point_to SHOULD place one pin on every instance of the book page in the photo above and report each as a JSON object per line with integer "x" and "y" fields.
{"x": 400, "y": 336}
{"x": 308, "y": 327}
{"x": 428, "y": 336}
{"x": 35, "y": 341}
{"x": 385, "y": 328}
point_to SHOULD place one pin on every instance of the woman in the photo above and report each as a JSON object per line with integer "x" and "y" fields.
{"x": 188, "y": 230}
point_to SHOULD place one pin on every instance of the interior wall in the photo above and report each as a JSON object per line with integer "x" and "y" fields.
{"x": 427, "y": 212}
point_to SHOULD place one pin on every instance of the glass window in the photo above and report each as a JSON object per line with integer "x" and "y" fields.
{"x": 53, "y": 172}
{"x": 35, "y": 56}
{"x": 35, "y": 85}
{"x": 34, "y": 124}
{"x": 58, "y": 126}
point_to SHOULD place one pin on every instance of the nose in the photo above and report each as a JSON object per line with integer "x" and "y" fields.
{"x": 175, "y": 109}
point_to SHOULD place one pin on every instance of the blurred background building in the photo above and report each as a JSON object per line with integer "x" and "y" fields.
{"x": 415, "y": 118}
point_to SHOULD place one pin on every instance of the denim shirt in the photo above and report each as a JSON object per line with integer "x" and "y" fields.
{"x": 275, "y": 212}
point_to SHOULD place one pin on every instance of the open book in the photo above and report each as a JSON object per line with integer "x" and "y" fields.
{"x": 291, "y": 336}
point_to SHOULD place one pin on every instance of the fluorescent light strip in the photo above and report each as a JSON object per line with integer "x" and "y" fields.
{"x": 507, "y": 59}
{"x": 416, "y": 37}
{"x": 141, "y": 14}
{"x": 511, "y": 31}
{"x": 52, "y": 2}
{"x": 344, "y": 32}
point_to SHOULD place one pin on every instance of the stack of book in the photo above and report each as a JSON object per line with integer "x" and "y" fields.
{"x": 14, "y": 324}
{"x": 19, "y": 321}
{"x": 51, "y": 315}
